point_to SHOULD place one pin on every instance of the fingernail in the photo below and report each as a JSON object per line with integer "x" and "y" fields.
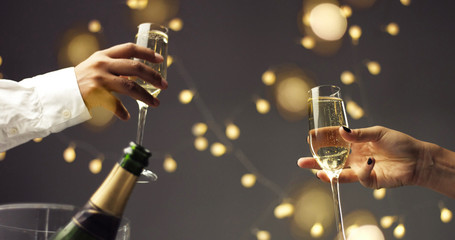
{"x": 370, "y": 161}
{"x": 317, "y": 176}
{"x": 346, "y": 129}
{"x": 164, "y": 83}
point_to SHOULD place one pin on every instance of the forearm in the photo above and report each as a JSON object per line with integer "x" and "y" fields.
{"x": 438, "y": 171}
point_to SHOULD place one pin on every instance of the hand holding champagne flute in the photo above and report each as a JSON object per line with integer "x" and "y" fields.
{"x": 326, "y": 115}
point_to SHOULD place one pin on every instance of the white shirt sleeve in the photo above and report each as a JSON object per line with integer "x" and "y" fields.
{"x": 36, "y": 107}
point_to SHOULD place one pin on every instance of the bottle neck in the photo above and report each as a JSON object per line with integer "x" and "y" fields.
{"x": 112, "y": 196}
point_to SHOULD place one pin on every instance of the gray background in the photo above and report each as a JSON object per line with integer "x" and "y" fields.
{"x": 223, "y": 49}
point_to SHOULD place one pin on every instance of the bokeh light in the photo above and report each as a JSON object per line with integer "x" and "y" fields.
{"x": 308, "y": 42}
{"x": 232, "y": 131}
{"x": 2, "y": 156}
{"x": 446, "y": 215}
{"x": 94, "y": 26}
{"x": 156, "y": 11}
{"x": 392, "y": 28}
{"x": 199, "y": 129}
{"x": 284, "y": 210}
{"x": 268, "y": 78}
{"x": 262, "y": 106}
{"x": 96, "y": 165}
{"x": 169, "y": 164}
{"x": 1, "y": 60}
{"x": 387, "y": 221}
{"x": 346, "y": 11}
{"x": 170, "y": 60}
{"x": 248, "y": 180}
{"x": 217, "y": 149}
{"x": 399, "y": 231}
{"x": 186, "y": 96}
{"x": 379, "y": 193}
{"x": 263, "y": 235}
{"x": 101, "y": 119}
{"x": 317, "y": 230}
{"x": 370, "y": 232}
{"x": 201, "y": 143}
{"x": 77, "y": 45}
{"x": 354, "y": 110}
{"x": 176, "y": 24}
{"x": 355, "y": 32}
{"x": 347, "y": 77}
{"x": 137, "y": 4}
{"x": 405, "y": 2}
{"x": 69, "y": 155}
{"x": 37, "y": 140}
{"x": 374, "y": 67}
{"x": 328, "y": 22}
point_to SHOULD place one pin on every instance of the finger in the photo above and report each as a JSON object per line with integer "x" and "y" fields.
{"x": 323, "y": 176}
{"x": 365, "y": 175}
{"x": 308, "y": 162}
{"x": 128, "y": 67}
{"x": 371, "y": 134}
{"x": 131, "y": 50}
{"x": 132, "y": 89}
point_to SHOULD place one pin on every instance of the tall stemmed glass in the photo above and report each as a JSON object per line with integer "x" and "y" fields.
{"x": 326, "y": 115}
{"x": 155, "y": 37}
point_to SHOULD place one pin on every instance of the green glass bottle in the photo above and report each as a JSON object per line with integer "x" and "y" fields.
{"x": 101, "y": 216}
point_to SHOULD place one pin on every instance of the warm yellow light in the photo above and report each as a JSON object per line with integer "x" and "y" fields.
{"x": 37, "y": 140}
{"x": 248, "y": 180}
{"x": 346, "y": 11}
{"x": 263, "y": 235}
{"x": 199, "y": 129}
{"x": 1, "y": 60}
{"x": 268, "y": 77}
{"x": 308, "y": 42}
{"x": 95, "y": 165}
{"x": 170, "y": 60}
{"x": 354, "y": 110}
{"x": 370, "y": 232}
{"x": 347, "y": 77}
{"x": 186, "y": 96}
{"x": 2, "y": 156}
{"x": 201, "y": 143}
{"x": 317, "y": 230}
{"x": 379, "y": 193}
{"x": 405, "y": 2}
{"x": 355, "y": 32}
{"x": 393, "y": 29}
{"x": 94, "y": 26}
{"x": 81, "y": 47}
{"x": 217, "y": 149}
{"x": 351, "y": 229}
{"x": 446, "y": 215}
{"x": 387, "y": 221}
{"x": 232, "y": 131}
{"x": 176, "y": 24}
{"x": 137, "y": 4}
{"x": 69, "y": 154}
{"x": 284, "y": 210}
{"x": 374, "y": 67}
{"x": 399, "y": 231}
{"x": 328, "y": 22}
{"x": 169, "y": 164}
{"x": 262, "y": 106}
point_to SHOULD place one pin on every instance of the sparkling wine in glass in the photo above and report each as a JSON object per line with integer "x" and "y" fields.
{"x": 155, "y": 37}
{"x": 326, "y": 115}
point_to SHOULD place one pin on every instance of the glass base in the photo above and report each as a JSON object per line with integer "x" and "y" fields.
{"x": 39, "y": 221}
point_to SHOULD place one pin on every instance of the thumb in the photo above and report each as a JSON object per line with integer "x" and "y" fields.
{"x": 365, "y": 173}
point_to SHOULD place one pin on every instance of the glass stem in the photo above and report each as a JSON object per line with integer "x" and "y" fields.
{"x": 141, "y": 122}
{"x": 337, "y": 206}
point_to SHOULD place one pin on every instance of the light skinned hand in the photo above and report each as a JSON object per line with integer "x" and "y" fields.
{"x": 380, "y": 158}
{"x": 105, "y": 71}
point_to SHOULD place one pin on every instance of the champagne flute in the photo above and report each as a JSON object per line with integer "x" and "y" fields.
{"x": 155, "y": 37}
{"x": 326, "y": 115}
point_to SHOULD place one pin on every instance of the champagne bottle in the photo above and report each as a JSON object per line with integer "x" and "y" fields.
{"x": 101, "y": 216}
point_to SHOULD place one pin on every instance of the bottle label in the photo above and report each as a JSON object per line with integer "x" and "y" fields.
{"x": 98, "y": 223}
